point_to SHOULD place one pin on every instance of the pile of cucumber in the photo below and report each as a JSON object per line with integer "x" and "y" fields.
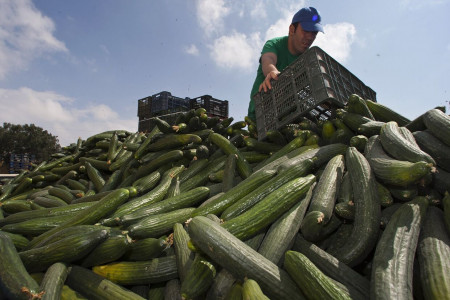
{"x": 356, "y": 206}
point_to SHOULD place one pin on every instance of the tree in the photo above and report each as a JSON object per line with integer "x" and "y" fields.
{"x": 27, "y": 139}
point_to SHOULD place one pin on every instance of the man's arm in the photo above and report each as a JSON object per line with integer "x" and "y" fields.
{"x": 268, "y": 64}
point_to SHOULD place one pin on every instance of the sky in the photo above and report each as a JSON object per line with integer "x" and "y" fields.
{"x": 77, "y": 68}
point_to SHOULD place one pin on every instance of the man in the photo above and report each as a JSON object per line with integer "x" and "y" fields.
{"x": 279, "y": 52}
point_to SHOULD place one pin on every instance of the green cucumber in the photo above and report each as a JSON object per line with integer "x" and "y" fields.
{"x": 435, "y": 147}
{"x": 385, "y": 114}
{"x": 171, "y": 141}
{"x": 94, "y": 286}
{"x": 53, "y": 281}
{"x": 269, "y": 209}
{"x": 159, "y": 224}
{"x": 358, "y": 285}
{"x": 358, "y": 105}
{"x": 433, "y": 251}
{"x": 199, "y": 277}
{"x": 312, "y": 281}
{"x": 439, "y": 124}
{"x": 146, "y": 249}
{"x": 111, "y": 249}
{"x": 227, "y": 147}
{"x": 252, "y": 291}
{"x": 187, "y": 199}
{"x": 324, "y": 199}
{"x": 394, "y": 254}
{"x": 96, "y": 212}
{"x": 168, "y": 157}
{"x": 15, "y": 281}
{"x": 44, "y": 213}
{"x": 69, "y": 249}
{"x": 400, "y": 148}
{"x": 241, "y": 260}
{"x": 367, "y": 210}
{"x": 246, "y": 202}
{"x": 184, "y": 255}
{"x": 223, "y": 201}
{"x": 393, "y": 171}
{"x": 281, "y": 234}
{"x": 156, "y": 270}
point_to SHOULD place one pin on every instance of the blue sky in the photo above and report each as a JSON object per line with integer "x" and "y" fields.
{"x": 76, "y": 68}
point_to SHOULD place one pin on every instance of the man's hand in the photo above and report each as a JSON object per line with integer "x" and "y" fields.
{"x": 266, "y": 85}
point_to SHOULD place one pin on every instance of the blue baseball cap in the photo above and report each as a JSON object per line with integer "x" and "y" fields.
{"x": 309, "y": 18}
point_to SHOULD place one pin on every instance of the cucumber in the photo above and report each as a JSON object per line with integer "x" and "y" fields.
{"x": 393, "y": 171}
{"x": 184, "y": 255}
{"x": 358, "y": 285}
{"x": 95, "y": 176}
{"x": 385, "y": 114}
{"x": 111, "y": 249}
{"x": 269, "y": 209}
{"x": 223, "y": 201}
{"x": 95, "y": 286}
{"x": 241, "y": 260}
{"x": 18, "y": 240}
{"x": 312, "y": 281}
{"x": 227, "y": 147}
{"x": 67, "y": 250}
{"x": 433, "y": 146}
{"x": 433, "y": 251}
{"x": 252, "y": 291}
{"x": 281, "y": 234}
{"x": 199, "y": 277}
{"x": 97, "y": 211}
{"x": 159, "y": 224}
{"x": 229, "y": 172}
{"x": 156, "y": 270}
{"x": 394, "y": 254}
{"x": 358, "y": 105}
{"x": 439, "y": 124}
{"x": 153, "y": 196}
{"x": 146, "y": 249}
{"x": 35, "y": 227}
{"x": 15, "y": 281}
{"x": 400, "y": 148}
{"x": 352, "y": 120}
{"x": 168, "y": 157}
{"x": 367, "y": 210}
{"x": 324, "y": 199}
{"x": 171, "y": 141}
{"x": 246, "y": 202}
{"x": 53, "y": 281}
{"x": 187, "y": 199}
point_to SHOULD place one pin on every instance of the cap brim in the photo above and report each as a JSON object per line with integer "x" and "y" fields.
{"x": 311, "y": 26}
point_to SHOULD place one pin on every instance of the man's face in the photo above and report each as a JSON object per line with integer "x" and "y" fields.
{"x": 302, "y": 39}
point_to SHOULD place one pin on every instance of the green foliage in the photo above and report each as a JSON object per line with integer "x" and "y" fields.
{"x": 28, "y": 138}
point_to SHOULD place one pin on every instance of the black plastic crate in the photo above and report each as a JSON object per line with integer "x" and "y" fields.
{"x": 214, "y": 107}
{"x": 313, "y": 86}
{"x": 161, "y": 104}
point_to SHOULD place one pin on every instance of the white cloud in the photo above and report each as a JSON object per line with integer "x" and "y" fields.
{"x": 337, "y": 40}
{"x": 280, "y": 27}
{"x": 24, "y": 34}
{"x": 54, "y": 113}
{"x": 210, "y": 15}
{"x": 237, "y": 51}
{"x": 191, "y": 49}
{"x": 258, "y": 11}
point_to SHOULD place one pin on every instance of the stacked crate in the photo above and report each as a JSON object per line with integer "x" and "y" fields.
{"x": 168, "y": 107}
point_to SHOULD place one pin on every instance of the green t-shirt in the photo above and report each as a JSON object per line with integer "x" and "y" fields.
{"x": 279, "y": 46}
